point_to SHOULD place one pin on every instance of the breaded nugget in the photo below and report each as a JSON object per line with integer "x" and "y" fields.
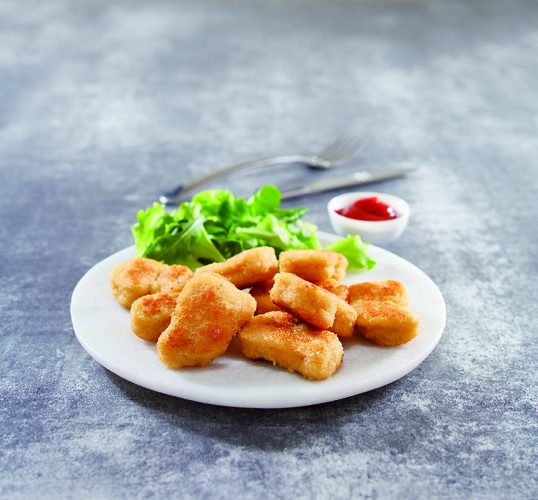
{"x": 304, "y": 300}
{"x": 383, "y": 314}
{"x": 313, "y": 265}
{"x": 286, "y": 341}
{"x": 137, "y": 277}
{"x": 345, "y": 315}
{"x": 151, "y": 314}
{"x": 334, "y": 286}
{"x": 246, "y": 268}
{"x": 209, "y": 311}
{"x": 261, "y": 292}
{"x": 385, "y": 322}
{"x": 344, "y": 319}
{"x": 390, "y": 290}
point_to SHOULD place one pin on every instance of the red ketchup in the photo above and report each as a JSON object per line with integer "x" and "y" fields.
{"x": 369, "y": 209}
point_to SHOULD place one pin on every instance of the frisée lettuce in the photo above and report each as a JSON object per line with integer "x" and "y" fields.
{"x": 216, "y": 225}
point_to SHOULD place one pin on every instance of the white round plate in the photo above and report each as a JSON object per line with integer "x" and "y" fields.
{"x": 102, "y": 326}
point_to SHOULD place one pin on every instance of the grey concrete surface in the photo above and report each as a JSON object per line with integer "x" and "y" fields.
{"x": 105, "y": 104}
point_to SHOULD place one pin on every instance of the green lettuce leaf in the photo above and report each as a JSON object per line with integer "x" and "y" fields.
{"x": 215, "y": 225}
{"x": 355, "y": 251}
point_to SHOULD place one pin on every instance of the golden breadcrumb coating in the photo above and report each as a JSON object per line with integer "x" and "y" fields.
{"x": 390, "y": 290}
{"x": 383, "y": 314}
{"x": 303, "y": 299}
{"x": 286, "y": 341}
{"x": 345, "y": 315}
{"x": 151, "y": 314}
{"x": 246, "y": 268}
{"x": 344, "y": 319}
{"x": 209, "y": 311}
{"x": 261, "y": 292}
{"x": 334, "y": 286}
{"x": 313, "y": 265}
{"x": 137, "y": 277}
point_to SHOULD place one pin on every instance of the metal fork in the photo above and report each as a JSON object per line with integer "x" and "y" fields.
{"x": 337, "y": 153}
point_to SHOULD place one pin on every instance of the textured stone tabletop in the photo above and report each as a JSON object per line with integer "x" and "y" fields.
{"x": 104, "y": 104}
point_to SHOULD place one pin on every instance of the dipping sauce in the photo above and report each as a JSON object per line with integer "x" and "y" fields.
{"x": 369, "y": 209}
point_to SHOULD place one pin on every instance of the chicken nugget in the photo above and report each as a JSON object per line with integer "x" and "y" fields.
{"x": 305, "y": 300}
{"x": 385, "y": 322}
{"x": 344, "y": 319}
{"x": 313, "y": 265}
{"x": 288, "y": 342}
{"x": 261, "y": 292}
{"x": 334, "y": 286}
{"x": 383, "y": 314}
{"x": 209, "y": 311}
{"x": 137, "y": 277}
{"x": 246, "y": 268}
{"x": 388, "y": 290}
{"x": 151, "y": 314}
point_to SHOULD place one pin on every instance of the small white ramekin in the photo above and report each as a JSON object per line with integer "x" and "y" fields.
{"x": 380, "y": 233}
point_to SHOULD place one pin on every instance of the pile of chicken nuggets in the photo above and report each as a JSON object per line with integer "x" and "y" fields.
{"x": 291, "y": 311}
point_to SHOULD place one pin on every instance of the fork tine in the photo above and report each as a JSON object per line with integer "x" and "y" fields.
{"x": 346, "y": 146}
{"x": 339, "y": 147}
{"x": 348, "y": 150}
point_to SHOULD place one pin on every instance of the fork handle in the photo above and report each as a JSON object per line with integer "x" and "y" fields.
{"x": 175, "y": 195}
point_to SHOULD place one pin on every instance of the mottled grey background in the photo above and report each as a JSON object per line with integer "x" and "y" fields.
{"x": 103, "y": 104}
